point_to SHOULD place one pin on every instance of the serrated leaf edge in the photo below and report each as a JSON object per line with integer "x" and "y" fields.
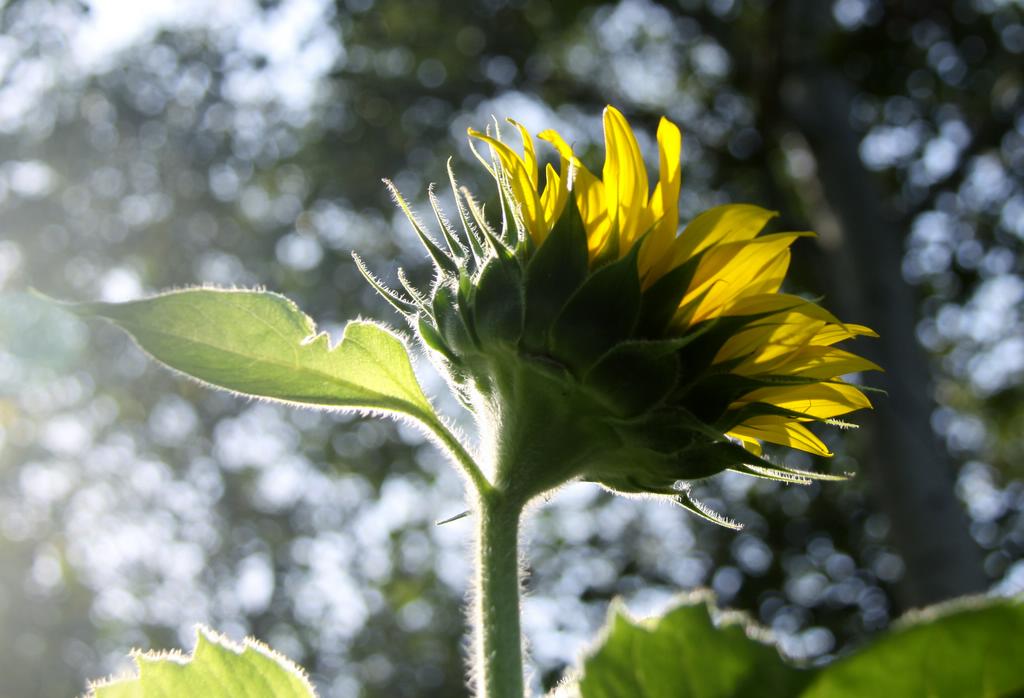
{"x": 315, "y": 335}
{"x": 568, "y": 686}
{"x": 210, "y": 635}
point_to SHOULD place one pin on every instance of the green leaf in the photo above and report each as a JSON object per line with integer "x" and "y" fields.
{"x": 217, "y": 668}
{"x": 683, "y": 654}
{"x": 970, "y": 647}
{"x": 260, "y": 344}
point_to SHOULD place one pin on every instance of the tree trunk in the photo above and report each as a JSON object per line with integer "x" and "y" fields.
{"x": 911, "y": 476}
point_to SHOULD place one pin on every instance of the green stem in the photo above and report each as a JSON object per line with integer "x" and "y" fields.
{"x": 459, "y": 453}
{"x": 499, "y": 650}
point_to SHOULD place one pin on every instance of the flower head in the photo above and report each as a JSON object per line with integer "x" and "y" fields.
{"x": 591, "y": 339}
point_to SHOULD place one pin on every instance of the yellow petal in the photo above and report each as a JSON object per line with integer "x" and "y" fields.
{"x": 523, "y": 189}
{"x": 830, "y": 334}
{"x": 553, "y": 199}
{"x": 729, "y": 223}
{"x": 779, "y": 430}
{"x": 791, "y": 324}
{"x": 563, "y": 148}
{"x": 655, "y": 207}
{"x": 529, "y": 153}
{"x": 778, "y": 302}
{"x": 818, "y": 400}
{"x": 727, "y": 270}
{"x": 795, "y": 340}
{"x": 768, "y": 279}
{"x": 769, "y": 342}
{"x": 670, "y": 149}
{"x": 588, "y": 191}
{"x": 655, "y": 254}
{"x": 817, "y": 362}
{"x": 656, "y": 258}
{"x": 625, "y": 179}
{"x": 749, "y": 443}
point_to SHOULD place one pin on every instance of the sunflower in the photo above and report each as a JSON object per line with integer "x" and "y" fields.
{"x": 593, "y": 340}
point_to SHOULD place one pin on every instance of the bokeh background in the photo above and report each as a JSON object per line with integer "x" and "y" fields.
{"x": 147, "y": 145}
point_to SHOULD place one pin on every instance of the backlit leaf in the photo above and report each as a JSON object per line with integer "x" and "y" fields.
{"x": 260, "y": 344}
{"x": 970, "y": 648}
{"x": 967, "y": 648}
{"x": 217, "y": 668}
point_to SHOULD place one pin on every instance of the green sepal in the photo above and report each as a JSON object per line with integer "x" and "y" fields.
{"x": 556, "y": 270}
{"x": 646, "y": 470}
{"x": 656, "y": 474}
{"x": 632, "y": 484}
{"x": 881, "y": 392}
{"x": 449, "y": 320}
{"x": 418, "y": 298}
{"x": 464, "y": 297}
{"x": 400, "y": 304}
{"x": 433, "y": 339}
{"x": 715, "y": 457}
{"x": 498, "y": 301}
{"x": 729, "y": 455}
{"x": 773, "y": 474}
{"x": 647, "y": 456}
{"x": 491, "y": 243}
{"x": 633, "y": 377}
{"x": 643, "y": 471}
{"x": 706, "y": 458}
{"x": 458, "y": 252}
{"x": 661, "y": 300}
{"x": 525, "y": 249}
{"x": 475, "y": 248}
{"x": 791, "y": 475}
{"x": 442, "y": 261}
{"x": 509, "y": 223}
{"x": 600, "y": 314}
{"x": 665, "y": 429}
{"x": 693, "y": 505}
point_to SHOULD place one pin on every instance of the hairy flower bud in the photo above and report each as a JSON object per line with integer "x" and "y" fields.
{"x": 592, "y": 340}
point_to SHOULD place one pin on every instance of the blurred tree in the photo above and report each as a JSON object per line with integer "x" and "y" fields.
{"x": 911, "y": 478}
{"x": 247, "y": 149}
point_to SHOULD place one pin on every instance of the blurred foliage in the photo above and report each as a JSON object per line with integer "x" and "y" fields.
{"x": 244, "y": 144}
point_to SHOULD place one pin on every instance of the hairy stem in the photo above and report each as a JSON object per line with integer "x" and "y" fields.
{"x": 458, "y": 453}
{"x": 499, "y": 651}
